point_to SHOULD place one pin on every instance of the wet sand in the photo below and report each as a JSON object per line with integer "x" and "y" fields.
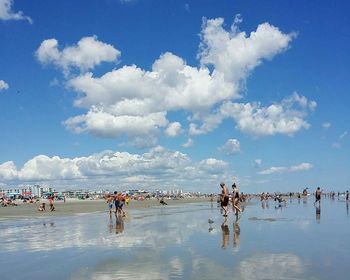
{"x": 74, "y": 206}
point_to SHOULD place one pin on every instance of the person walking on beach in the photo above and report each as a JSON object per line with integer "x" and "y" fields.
{"x": 116, "y": 203}
{"x": 347, "y": 196}
{"x": 318, "y": 194}
{"x": 235, "y": 199}
{"x": 224, "y": 198}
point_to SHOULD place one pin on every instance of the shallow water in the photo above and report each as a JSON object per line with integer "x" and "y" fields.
{"x": 296, "y": 241}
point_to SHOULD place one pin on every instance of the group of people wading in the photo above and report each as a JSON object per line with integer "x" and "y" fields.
{"x": 119, "y": 200}
{"x": 225, "y": 198}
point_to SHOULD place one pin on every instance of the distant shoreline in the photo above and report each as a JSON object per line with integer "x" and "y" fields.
{"x": 75, "y": 206}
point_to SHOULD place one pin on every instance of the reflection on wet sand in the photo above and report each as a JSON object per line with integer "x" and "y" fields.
{"x": 171, "y": 243}
{"x": 236, "y": 232}
{"x": 119, "y": 225}
{"x": 225, "y": 233}
{"x": 318, "y": 213}
{"x": 270, "y": 266}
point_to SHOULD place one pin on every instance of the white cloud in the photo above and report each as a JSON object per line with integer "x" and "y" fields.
{"x": 257, "y": 163}
{"x": 343, "y": 135}
{"x": 159, "y": 167}
{"x": 6, "y": 12}
{"x": 8, "y": 171}
{"x": 234, "y": 53}
{"x": 188, "y": 143}
{"x": 107, "y": 124}
{"x": 173, "y": 129}
{"x": 232, "y": 146}
{"x": 138, "y": 95}
{"x": 88, "y": 53}
{"x": 326, "y": 125}
{"x": 282, "y": 169}
{"x": 135, "y": 102}
{"x": 286, "y": 117}
{"x": 3, "y": 85}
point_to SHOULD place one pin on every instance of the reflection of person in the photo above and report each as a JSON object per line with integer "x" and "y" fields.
{"x": 235, "y": 198}
{"x": 119, "y": 225}
{"x": 318, "y": 213}
{"x": 224, "y": 198}
{"x": 318, "y": 195}
{"x": 225, "y": 234}
{"x": 110, "y": 226}
{"x": 236, "y": 232}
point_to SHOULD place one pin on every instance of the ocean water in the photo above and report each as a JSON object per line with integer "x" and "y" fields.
{"x": 267, "y": 241}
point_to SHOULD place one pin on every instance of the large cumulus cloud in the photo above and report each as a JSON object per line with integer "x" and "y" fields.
{"x": 158, "y": 167}
{"x": 136, "y": 102}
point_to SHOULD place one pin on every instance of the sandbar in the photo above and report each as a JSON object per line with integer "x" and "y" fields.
{"x": 75, "y": 206}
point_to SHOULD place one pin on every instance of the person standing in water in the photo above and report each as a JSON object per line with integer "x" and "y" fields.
{"x": 318, "y": 194}
{"x": 235, "y": 198}
{"x": 109, "y": 201}
{"x": 51, "y": 199}
{"x": 224, "y": 198}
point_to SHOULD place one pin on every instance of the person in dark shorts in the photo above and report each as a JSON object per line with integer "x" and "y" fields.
{"x": 318, "y": 194}
{"x": 224, "y": 198}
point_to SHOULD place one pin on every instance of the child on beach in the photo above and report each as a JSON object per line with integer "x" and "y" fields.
{"x": 42, "y": 207}
{"x": 109, "y": 200}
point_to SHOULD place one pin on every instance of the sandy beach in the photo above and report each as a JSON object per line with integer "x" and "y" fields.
{"x": 75, "y": 206}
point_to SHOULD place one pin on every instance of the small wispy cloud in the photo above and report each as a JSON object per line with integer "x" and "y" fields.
{"x": 3, "y": 85}
{"x": 343, "y": 135}
{"x": 231, "y": 147}
{"x": 6, "y": 12}
{"x": 188, "y": 144}
{"x": 326, "y": 125}
{"x": 257, "y": 163}
{"x": 283, "y": 169}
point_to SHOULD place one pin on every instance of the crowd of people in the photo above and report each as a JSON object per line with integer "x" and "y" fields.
{"x": 237, "y": 199}
{"x": 5, "y": 202}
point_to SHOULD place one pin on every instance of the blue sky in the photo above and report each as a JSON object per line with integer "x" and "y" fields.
{"x": 175, "y": 94}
